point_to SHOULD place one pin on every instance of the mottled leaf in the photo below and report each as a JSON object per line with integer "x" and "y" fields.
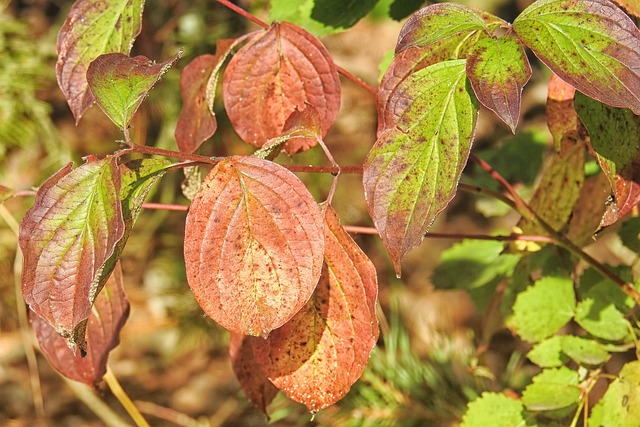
{"x": 197, "y": 120}
{"x": 317, "y": 356}
{"x": 66, "y": 238}
{"x": 498, "y": 69}
{"x": 495, "y": 410}
{"x": 253, "y": 245}
{"x": 552, "y": 389}
{"x": 543, "y": 308}
{"x": 253, "y": 381}
{"x": 294, "y": 70}
{"x": 620, "y": 405}
{"x": 108, "y": 315}
{"x": 412, "y": 171}
{"x": 93, "y": 28}
{"x": 548, "y": 353}
{"x": 614, "y": 135}
{"x": 584, "y": 351}
{"x": 120, "y": 84}
{"x": 590, "y": 44}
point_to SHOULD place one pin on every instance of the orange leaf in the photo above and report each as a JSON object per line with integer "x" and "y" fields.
{"x": 277, "y": 71}
{"x": 317, "y": 356}
{"x": 253, "y": 245}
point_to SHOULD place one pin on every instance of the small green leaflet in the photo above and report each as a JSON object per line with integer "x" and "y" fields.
{"x": 120, "y": 84}
{"x": 620, "y": 405}
{"x": 552, "y": 389}
{"x": 548, "y": 353}
{"x": 591, "y": 44}
{"x": 584, "y": 351}
{"x": 412, "y": 171}
{"x": 93, "y": 28}
{"x": 495, "y": 410}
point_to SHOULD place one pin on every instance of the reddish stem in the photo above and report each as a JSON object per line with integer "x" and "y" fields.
{"x": 243, "y": 13}
{"x": 165, "y": 206}
{"x": 357, "y": 80}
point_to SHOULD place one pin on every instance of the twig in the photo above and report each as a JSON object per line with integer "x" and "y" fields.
{"x": 97, "y": 406}
{"x": 124, "y": 399}
{"x": 357, "y": 80}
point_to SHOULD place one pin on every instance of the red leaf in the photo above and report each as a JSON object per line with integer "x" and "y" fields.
{"x": 92, "y": 28}
{"x": 562, "y": 118}
{"x": 253, "y": 245}
{"x": 255, "y": 384}
{"x": 108, "y": 316}
{"x": 197, "y": 121}
{"x": 317, "y": 356}
{"x": 66, "y": 238}
{"x": 277, "y": 71}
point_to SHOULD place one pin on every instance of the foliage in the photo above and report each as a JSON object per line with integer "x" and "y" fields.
{"x": 278, "y": 270}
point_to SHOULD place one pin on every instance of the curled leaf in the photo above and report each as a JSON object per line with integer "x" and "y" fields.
{"x": 317, "y": 356}
{"x": 253, "y": 245}
{"x": 294, "y": 70}
{"x": 92, "y": 28}
{"x": 109, "y": 313}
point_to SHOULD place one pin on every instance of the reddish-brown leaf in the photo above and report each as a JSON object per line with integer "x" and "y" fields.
{"x": 197, "y": 120}
{"x": 253, "y": 381}
{"x": 107, "y": 318}
{"x": 317, "y": 356}
{"x": 562, "y": 118}
{"x": 278, "y": 70}
{"x": 66, "y": 238}
{"x": 92, "y": 28}
{"x": 253, "y": 245}
{"x": 589, "y": 210}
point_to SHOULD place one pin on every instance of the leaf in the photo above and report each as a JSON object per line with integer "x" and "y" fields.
{"x": 93, "y": 28}
{"x": 294, "y": 70}
{"x": 340, "y": 14}
{"x": 498, "y": 69}
{"x": 562, "y": 118}
{"x": 548, "y": 353}
{"x": 253, "y": 245}
{"x": 590, "y": 44}
{"x": 543, "y": 308}
{"x": 614, "y": 134}
{"x": 629, "y": 233}
{"x": 552, "y": 389}
{"x": 120, "y": 84}
{"x": 107, "y": 318}
{"x": 412, "y": 171}
{"x": 254, "y": 383}
{"x": 66, "y": 238}
{"x": 584, "y": 351}
{"x": 620, "y": 405}
{"x": 319, "y": 354}
{"x": 197, "y": 120}
{"x": 493, "y": 409}
{"x": 588, "y": 211}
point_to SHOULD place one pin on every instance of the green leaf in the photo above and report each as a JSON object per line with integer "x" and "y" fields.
{"x": 552, "y": 389}
{"x": 543, "y": 308}
{"x": 93, "y": 28}
{"x": 584, "y": 351}
{"x": 629, "y": 233}
{"x": 548, "y": 353}
{"x": 120, "y": 84}
{"x": 498, "y": 69}
{"x": 602, "y": 307}
{"x": 620, "y": 405}
{"x": 475, "y": 265}
{"x": 591, "y": 44}
{"x": 412, "y": 171}
{"x": 495, "y": 410}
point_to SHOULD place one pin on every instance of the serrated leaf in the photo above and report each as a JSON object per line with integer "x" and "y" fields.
{"x": 253, "y": 245}
{"x": 548, "y": 353}
{"x": 93, "y": 28}
{"x": 552, "y": 389}
{"x": 614, "y": 133}
{"x": 412, "y": 171}
{"x": 543, "y": 308}
{"x": 253, "y": 381}
{"x": 108, "y": 315}
{"x": 197, "y": 120}
{"x": 319, "y": 354}
{"x": 591, "y": 44}
{"x": 67, "y": 237}
{"x": 498, "y": 69}
{"x": 294, "y": 70}
{"x": 620, "y": 405}
{"x": 119, "y": 84}
{"x": 584, "y": 351}
{"x": 494, "y": 409}
{"x": 442, "y": 20}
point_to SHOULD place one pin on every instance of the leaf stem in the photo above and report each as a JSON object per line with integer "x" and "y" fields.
{"x": 165, "y": 206}
{"x": 93, "y": 402}
{"x": 527, "y": 212}
{"x": 124, "y": 399}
